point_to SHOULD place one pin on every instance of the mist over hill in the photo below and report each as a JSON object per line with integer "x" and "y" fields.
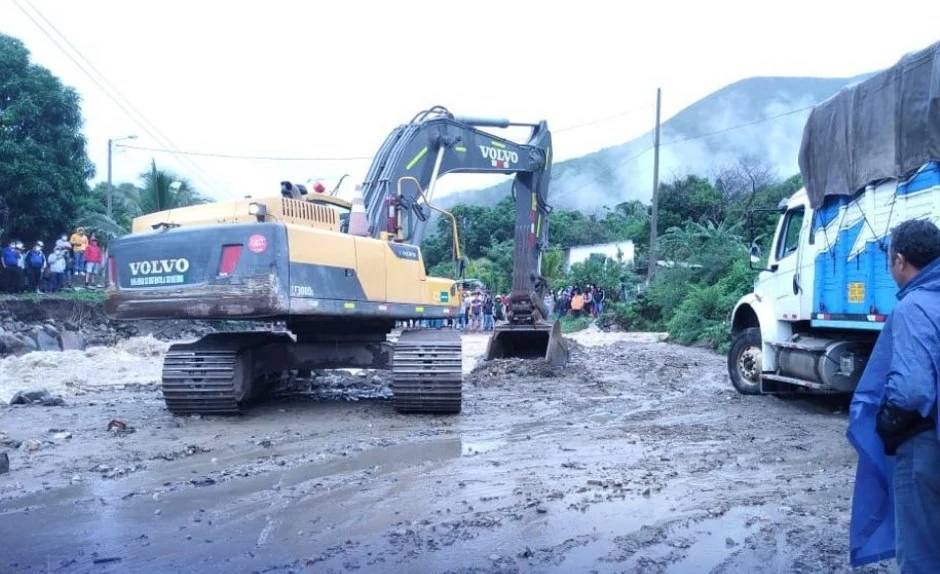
{"x": 761, "y": 117}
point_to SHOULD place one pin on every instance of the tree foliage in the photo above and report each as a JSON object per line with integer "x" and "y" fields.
{"x": 704, "y": 234}
{"x": 44, "y": 165}
{"x": 159, "y": 190}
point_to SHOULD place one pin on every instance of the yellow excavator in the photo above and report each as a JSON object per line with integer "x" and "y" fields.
{"x": 341, "y": 274}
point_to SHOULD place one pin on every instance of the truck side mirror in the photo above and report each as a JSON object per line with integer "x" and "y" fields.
{"x": 756, "y": 253}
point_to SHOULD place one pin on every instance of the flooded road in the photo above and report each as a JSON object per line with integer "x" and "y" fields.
{"x": 638, "y": 457}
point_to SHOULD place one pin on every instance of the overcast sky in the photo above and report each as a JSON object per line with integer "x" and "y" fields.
{"x": 313, "y": 79}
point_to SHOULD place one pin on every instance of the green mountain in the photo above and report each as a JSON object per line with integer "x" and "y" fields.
{"x": 760, "y": 117}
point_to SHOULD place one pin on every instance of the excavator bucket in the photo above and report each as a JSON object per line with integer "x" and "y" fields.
{"x": 540, "y": 341}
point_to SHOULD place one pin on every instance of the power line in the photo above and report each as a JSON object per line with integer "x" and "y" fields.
{"x": 603, "y": 120}
{"x": 347, "y": 158}
{"x": 610, "y": 170}
{"x": 250, "y": 157}
{"x": 162, "y": 138}
{"x": 728, "y": 129}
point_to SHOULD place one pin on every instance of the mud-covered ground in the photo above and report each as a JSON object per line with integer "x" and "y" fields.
{"x": 638, "y": 457}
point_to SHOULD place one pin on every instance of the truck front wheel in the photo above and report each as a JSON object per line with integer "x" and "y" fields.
{"x": 744, "y": 361}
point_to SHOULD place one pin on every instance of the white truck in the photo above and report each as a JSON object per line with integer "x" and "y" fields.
{"x": 869, "y": 160}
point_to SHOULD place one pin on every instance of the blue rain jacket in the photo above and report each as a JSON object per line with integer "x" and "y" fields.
{"x": 902, "y": 369}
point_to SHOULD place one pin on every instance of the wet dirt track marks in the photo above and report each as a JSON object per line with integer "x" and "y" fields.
{"x": 638, "y": 457}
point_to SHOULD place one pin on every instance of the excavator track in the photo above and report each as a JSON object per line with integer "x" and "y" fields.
{"x": 203, "y": 381}
{"x": 427, "y": 374}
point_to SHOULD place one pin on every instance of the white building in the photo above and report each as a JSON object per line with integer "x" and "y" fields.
{"x": 581, "y": 253}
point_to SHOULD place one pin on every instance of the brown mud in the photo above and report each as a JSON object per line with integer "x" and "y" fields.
{"x": 637, "y": 457}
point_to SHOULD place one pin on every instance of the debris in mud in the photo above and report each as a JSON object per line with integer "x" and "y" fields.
{"x": 490, "y": 373}
{"x": 4, "y": 463}
{"x": 202, "y": 481}
{"x": 119, "y": 427}
{"x": 40, "y": 397}
{"x": 331, "y": 552}
{"x": 340, "y": 385}
{"x": 6, "y": 441}
{"x": 188, "y": 451}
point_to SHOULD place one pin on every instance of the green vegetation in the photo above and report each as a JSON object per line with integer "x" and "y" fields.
{"x": 704, "y": 239}
{"x": 571, "y": 324}
{"x": 43, "y": 161}
{"x": 88, "y": 296}
{"x": 159, "y": 190}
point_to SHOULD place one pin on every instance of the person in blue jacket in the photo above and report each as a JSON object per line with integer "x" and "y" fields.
{"x": 11, "y": 276}
{"x": 893, "y": 419}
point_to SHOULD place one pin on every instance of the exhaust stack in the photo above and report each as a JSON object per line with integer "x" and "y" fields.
{"x": 358, "y": 222}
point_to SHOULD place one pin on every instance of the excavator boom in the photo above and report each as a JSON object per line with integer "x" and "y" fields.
{"x": 400, "y": 184}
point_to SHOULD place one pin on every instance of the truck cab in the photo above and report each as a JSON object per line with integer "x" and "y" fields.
{"x": 826, "y": 289}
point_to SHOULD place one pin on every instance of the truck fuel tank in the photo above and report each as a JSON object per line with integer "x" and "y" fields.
{"x": 838, "y": 364}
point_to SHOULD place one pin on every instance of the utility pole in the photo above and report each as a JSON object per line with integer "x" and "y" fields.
{"x": 654, "y": 211}
{"x": 109, "y": 177}
{"x": 110, "y": 147}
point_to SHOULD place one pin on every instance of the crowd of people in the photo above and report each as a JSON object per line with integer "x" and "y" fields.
{"x": 482, "y": 311}
{"x": 72, "y": 262}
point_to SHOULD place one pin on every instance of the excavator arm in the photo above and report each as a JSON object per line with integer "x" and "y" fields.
{"x": 400, "y": 184}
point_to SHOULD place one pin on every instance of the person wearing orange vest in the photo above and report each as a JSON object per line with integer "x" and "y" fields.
{"x": 577, "y": 303}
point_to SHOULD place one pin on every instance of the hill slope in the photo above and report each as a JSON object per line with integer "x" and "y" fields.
{"x": 751, "y": 117}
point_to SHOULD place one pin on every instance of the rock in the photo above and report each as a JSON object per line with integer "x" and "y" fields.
{"x": 4, "y": 463}
{"x": 62, "y": 436}
{"x": 32, "y": 445}
{"x": 72, "y": 341}
{"x": 13, "y": 344}
{"x": 37, "y": 397}
{"x": 8, "y": 442}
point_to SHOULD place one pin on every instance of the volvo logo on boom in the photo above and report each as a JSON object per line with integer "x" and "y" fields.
{"x": 500, "y": 158}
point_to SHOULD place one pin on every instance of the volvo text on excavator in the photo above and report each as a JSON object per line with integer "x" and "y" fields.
{"x": 339, "y": 273}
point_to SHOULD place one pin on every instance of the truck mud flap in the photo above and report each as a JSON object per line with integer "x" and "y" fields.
{"x": 539, "y": 341}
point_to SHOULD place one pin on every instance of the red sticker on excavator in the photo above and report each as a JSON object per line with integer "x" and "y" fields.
{"x": 257, "y": 243}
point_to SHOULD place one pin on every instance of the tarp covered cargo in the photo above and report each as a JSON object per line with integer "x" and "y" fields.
{"x": 884, "y": 127}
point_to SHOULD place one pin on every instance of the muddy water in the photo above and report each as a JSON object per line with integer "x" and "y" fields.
{"x": 639, "y": 457}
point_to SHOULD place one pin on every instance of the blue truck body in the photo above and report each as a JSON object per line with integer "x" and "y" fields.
{"x": 853, "y": 287}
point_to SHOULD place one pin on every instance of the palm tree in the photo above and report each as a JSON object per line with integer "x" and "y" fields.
{"x": 160, "y": 190}
{"x": 552, "y": 265}
{"x": 163, "y": 190}
{"x": 688, "y": 242}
